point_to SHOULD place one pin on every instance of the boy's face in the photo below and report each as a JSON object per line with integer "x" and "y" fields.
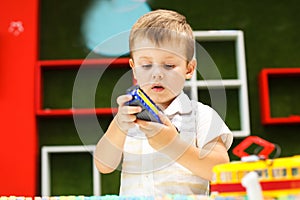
{"x": 161, "y": 71}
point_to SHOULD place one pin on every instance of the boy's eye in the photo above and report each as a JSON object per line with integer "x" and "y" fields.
{"x": 169, "y": 66}
{"x": 147, "y": 65}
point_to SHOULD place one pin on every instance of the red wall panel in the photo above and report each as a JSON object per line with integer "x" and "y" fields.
{"x": 18, "y": 55}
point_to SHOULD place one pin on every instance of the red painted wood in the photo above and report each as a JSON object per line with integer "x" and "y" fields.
{"x": 70, "y": 112}
{"x": 77, "y": 63}
{"x": 72, "y": 64}
{"x": 18, "y": 55}
{"x": 265, "y": 110}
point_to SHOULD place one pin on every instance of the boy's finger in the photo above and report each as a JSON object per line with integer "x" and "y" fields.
{"x": 148, "y": 125}
{"x": 121, "y": 100}
{"x": 129, "y": 110}
{"x": 142, "y": 123}
{"x": 164, "y": 119}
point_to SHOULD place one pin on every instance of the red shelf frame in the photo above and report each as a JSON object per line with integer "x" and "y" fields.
{"x": 264, "y": 76}
{"x": 18, "y": 51}
{"x": 72, "y": 64}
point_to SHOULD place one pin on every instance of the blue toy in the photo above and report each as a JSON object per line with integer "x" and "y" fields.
{"x": 149, "y": 109}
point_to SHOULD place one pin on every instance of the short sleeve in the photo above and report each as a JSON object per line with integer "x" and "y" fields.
{"x": 210, "y": 125}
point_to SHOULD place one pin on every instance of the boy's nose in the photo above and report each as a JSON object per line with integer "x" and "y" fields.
{"x": 157, "y": 73}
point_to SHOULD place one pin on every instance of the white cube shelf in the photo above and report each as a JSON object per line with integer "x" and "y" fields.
{"x": 240, "y": 83}
{"x": 46, "y": 171}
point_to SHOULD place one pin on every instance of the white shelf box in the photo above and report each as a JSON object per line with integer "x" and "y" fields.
{"x": 46, "y": 171}
{"x": 240, "y": 83}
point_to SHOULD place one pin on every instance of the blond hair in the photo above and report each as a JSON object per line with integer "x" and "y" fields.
{"x": 161, "y": 26}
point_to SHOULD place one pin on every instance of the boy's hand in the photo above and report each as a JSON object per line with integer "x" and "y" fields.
{"x": 159, "y": 135}
{"x": 125, "y": 117}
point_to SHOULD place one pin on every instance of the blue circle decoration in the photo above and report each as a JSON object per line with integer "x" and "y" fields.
{"x": 109, "y": 18}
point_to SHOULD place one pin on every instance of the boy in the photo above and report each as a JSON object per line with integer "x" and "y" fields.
{"x": 177, "y": 155}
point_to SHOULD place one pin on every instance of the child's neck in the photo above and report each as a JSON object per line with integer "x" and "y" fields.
{"x": 163, "y": 106}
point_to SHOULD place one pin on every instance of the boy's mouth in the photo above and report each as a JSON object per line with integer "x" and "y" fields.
{"x": 157, "y": 88}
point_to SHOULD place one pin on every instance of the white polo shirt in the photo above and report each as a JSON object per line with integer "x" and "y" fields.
{"x": 146, "y": 172}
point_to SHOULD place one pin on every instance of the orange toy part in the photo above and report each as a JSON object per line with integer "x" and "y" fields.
{"x": 268, "y": 147}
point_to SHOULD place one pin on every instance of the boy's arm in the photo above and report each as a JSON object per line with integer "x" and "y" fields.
{"x": 109, "y": 150}
{"x": 165, "y": 139}
{"x": 190, "y": 157}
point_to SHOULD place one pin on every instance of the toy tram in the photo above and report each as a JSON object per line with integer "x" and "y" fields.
{"x": 277, "y": 177}
{"x": 280, "y": 176}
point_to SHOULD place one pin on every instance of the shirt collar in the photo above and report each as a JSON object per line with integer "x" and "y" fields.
{"x": 181, "y": 104}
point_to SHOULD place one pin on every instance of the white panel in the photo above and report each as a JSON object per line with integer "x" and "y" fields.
{"x": 46, "y": 171}
{"x": 240, "y": 83}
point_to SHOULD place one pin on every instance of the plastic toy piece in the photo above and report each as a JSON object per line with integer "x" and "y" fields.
{"x": 253, "y": 188}
{"x": 268, "y": 147}
{"x": 278, "y": 177}
{"x": 149, "y": 109}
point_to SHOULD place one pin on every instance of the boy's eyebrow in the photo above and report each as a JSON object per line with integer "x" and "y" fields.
{"x": 170, "y": 57}
{"x": 149, "y": 57}
{"x": 145, "y": 57}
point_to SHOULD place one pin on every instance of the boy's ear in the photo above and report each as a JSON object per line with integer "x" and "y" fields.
{"x": 131, "y": 64}
{"x": 190, "y": 69}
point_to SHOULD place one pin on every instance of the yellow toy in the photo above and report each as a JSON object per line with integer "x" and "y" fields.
{"x": 277, "y": 177}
